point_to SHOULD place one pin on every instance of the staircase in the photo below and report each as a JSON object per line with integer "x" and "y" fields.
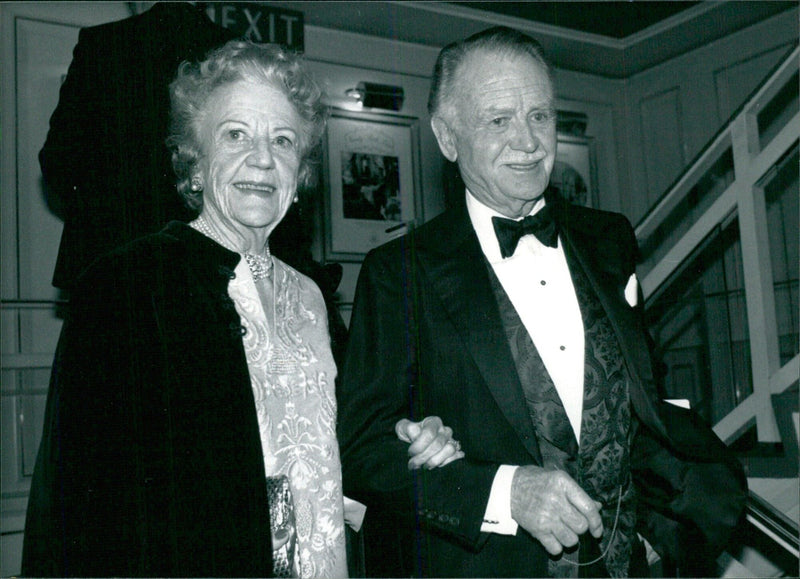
{"x": 720, "y": 279}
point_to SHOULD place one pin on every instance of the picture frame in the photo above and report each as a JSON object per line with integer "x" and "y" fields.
{"x": 372, "y": 181}
{"x": 574, "y": 172}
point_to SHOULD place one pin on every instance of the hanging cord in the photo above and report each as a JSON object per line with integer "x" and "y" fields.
{"x": 610, "y": 538}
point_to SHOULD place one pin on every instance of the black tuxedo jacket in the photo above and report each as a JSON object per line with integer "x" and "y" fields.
{"x": 105, "y": 163}
{"x": 426, "y": 339}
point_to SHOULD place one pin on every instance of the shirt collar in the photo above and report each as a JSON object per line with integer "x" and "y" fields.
{"x": 481, "y": 217}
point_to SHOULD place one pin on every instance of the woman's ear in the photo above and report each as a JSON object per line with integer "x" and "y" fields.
{"x": 445, "y": 137}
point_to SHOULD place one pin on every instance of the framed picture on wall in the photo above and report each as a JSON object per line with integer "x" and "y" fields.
{"x": 574, "y": 172}
{"x": 372, "y": 179}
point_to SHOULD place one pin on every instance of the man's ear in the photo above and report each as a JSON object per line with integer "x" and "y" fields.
{"x": 445, "y": 138}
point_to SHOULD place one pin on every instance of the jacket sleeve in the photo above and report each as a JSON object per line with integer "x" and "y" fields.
{"x": 693, "y": 491}
{"x": 379, "y": 387}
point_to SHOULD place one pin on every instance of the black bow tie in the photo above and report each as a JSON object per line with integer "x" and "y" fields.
{"x": 509, "y": 231}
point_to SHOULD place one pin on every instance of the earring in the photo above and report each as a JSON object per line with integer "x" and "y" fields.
{"x": 296, "y": 198}
{"x": 197, "y": 185}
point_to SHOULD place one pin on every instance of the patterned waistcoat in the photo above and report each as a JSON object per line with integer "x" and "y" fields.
{"x": 601, "y": 462}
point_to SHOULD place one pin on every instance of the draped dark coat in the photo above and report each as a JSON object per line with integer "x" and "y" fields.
{"x": 151, "y": 461}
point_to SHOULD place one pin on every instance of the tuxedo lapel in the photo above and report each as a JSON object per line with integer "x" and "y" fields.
{"x": 456, "y": 268}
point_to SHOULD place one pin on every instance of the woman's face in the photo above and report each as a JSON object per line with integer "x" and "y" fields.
{"x": 250, "y": 137}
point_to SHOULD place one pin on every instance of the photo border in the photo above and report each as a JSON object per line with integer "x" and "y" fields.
{"x": 349, "y": 240}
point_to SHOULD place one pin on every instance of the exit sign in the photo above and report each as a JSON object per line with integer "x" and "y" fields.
{"x": 260, "y": 23}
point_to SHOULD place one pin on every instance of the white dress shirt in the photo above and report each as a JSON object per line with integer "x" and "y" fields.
{"x": 537, "y": 280}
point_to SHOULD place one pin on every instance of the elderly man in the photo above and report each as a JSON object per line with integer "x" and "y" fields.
{"x": 516, "y": 319}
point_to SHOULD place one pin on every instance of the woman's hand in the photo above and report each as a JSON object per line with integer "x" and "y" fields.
{"x": 432, "y": 443}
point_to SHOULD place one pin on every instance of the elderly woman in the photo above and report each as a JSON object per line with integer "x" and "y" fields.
{"x": 194, "y": 366}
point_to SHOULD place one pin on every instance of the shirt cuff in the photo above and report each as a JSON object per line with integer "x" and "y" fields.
{"x": 354, "y": 513}
{"x": 497, "y": 518}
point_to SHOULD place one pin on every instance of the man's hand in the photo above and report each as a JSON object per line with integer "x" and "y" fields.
{"x": 551, "y": 506}
{"x": 432, "y": 443}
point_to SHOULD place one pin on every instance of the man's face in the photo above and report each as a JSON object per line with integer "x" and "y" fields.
{"x": 501, "y": 129}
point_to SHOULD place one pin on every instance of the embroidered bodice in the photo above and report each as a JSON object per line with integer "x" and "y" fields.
{"x": 292, "y": 374}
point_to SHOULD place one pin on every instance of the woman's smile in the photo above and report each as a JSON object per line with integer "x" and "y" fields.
{"x": 254, "y": 187}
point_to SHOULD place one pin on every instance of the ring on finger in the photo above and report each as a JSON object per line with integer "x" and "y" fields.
{"x": 455, "y": 443}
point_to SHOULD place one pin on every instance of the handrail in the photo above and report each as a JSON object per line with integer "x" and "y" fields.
{"x": 774, "y": 525}
{"x": 677, "y": 190}
{"x": 32, "y": 304}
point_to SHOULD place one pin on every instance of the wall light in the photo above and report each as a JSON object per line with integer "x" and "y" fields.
{"x": 377, "y": 96}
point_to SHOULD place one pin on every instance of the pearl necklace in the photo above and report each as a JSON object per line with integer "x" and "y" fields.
{"x": 261, "y": 266}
